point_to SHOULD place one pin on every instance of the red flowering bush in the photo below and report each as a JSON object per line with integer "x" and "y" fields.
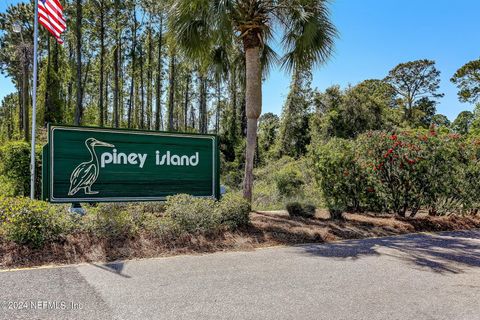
{"x": 401, "y": 172}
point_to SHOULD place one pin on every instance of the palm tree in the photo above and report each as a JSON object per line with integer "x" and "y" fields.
{"x": 307, "y": 39}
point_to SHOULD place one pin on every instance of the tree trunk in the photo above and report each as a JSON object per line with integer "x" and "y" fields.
{"x": 102, "y": 65}
{"x": 116, "y": 86}
{"x": 233, "y": 112}
{"x": 202, "y": 110}
{"x": 47, "y": 115}
{"x": 133, "y": 62}
{"x": 142, "y": 93}
{"x": 20, "y": 103}
{"x": 149, "y": 76}
{"x": 217, "y": 116}
{"x": 25, "y": 99}
{"x": 70, "y": 80}
{"x": 78, "y": 33}
{"x": 107, "y": 101}
{"x": 116, "y": 66}
{"x": 171, "y": 91}
{"x": 253, "y": 111}
{"x": 158, "y": 109}
{"x": 185, "y": 105}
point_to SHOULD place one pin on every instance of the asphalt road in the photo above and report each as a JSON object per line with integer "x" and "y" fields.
{"x": 409, "y": 277}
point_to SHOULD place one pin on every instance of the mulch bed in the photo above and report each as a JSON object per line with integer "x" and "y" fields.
{"x": 266, "y": 229}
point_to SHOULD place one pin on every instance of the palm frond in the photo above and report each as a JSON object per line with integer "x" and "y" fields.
{"x": 308, "y": 34}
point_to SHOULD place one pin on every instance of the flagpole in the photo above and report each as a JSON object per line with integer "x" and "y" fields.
{"x": 34, "y": 103}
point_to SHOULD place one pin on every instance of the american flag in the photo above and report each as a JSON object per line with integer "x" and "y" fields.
{"x": 50, "y": 15}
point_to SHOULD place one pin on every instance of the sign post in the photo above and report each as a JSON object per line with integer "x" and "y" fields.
{"x": 84, "y": 164}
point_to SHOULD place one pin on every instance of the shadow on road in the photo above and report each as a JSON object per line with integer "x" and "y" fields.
{"x": 444, "y": 253}
{"x": 113, "y": 267}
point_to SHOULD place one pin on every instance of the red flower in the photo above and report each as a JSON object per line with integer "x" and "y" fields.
{"x": 389, "y": 152}
{"x": 393, "y": 137}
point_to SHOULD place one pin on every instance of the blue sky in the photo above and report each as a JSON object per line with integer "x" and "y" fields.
{"x": 376, "y": 35}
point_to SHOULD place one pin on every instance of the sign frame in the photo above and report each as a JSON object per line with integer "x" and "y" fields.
{"x": 48, "y": 163}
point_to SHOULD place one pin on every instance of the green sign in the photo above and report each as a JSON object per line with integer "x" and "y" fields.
{"x": 82, "y": 164}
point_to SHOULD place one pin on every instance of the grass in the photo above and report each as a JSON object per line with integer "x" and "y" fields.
{"x": 267, "y": 228}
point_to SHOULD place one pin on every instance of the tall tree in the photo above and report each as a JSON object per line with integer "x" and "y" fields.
{"x": 412, "y": 81}
{"x": 463, "y": 122}
{"x": 467, "y": 79}
{"x": 308, "y": 38}
{"x": 116, "y": 67}
{"x": 101, "y": 108}
{"x": 78, "y": 35}
{"x": 171, "y": 91}
{"x": 159, "y": 93}
{"x": 440, "y": 120}
{"x": 294, "y": 134}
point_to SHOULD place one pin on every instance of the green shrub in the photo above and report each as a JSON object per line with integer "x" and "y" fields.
{"x": 117, "y": 219}
{"x": 34, "y": 222}
{"x": 192, "y": 214}
{"x": 163, "y": 227}
{"x": 266, "y": 195}
{"x": 233, "y": 211}
{"x": 339, "y": 177}
{"x": 288, "y": 181}
{"x": 15, "y": 169}
{"x": 296, "y": 209}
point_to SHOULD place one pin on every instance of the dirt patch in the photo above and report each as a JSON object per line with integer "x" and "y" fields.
{"x": 266, "y": 229}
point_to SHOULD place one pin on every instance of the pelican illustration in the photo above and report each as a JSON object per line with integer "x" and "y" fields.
{"x": 85, "y": 175}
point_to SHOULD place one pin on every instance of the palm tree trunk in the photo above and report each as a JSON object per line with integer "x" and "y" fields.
{"x": 253, "y": 111}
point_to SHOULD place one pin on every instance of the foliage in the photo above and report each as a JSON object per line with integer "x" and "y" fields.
{"x": 416, "y": 84}
{"x": 32, "y": 223}
{"x": 400, "y": 172}
{"x": 233, "y": 211}
{"x": 15, "y": 168}
{"x": 296, "y": 176}
{"x": 467, "y": 79}
{"x": 268, "y": 126}
{"x": 297, "y": 209}
{"x": 345, "y": 114}
{"x": 288, "y": 181}
{"x": 338, "y": 175}
{"x": 440, "y": 120}
{"x": 294, "y": 136}
{"x": 113, "y": 220}
{"x": 463, "y": 122}
{"x": 192, "y": 214}
{"x": 411, "y": 170}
